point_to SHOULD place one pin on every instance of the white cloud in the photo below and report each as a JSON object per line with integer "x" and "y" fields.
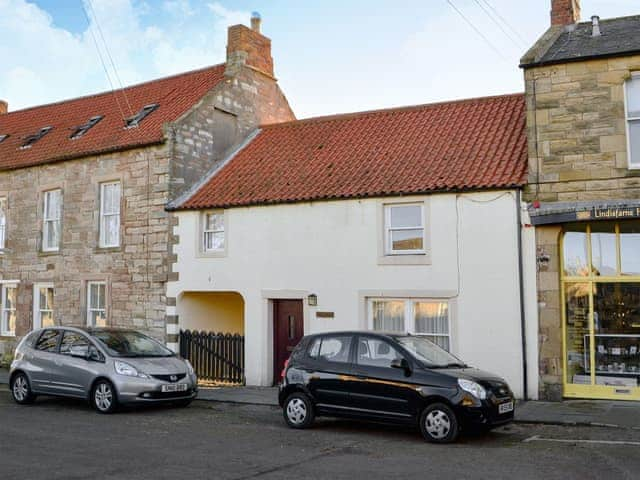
{"x": 41, "y": 62}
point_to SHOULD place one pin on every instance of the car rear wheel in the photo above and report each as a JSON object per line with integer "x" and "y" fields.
{"x": 439, "y": 424}
{"x": 21, "y": 389}
{"x": 103, "y": 397}
{"x": 298, "y": 411}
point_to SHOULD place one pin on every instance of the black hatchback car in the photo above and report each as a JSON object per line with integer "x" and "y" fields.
{"x": 390, "y": 377}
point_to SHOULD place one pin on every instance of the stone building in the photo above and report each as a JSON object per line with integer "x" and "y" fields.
{"x": 583, "y": 122}
{"x": 84, "y": 235}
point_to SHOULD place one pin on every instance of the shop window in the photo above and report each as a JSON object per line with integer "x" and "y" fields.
{"x": 630, "y": 249}
{"x": 428, "y": 318}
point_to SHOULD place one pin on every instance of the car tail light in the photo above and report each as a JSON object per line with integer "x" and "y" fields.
{"x": 284, "y": 369}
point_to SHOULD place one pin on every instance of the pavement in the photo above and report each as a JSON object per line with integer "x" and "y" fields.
{"x": 597, "y": 413}
{"x": 231, "y": 441}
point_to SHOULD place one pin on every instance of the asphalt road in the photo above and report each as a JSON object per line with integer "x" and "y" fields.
{"x": 63, "y": 439}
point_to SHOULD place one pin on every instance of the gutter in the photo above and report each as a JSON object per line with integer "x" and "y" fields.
{"x": 523, "y": 331}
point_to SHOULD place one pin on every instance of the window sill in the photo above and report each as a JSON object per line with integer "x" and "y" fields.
{"x": 417, "y": 259}
{"x": 107, "y": 249}
{"x": 214, "y": 254}
{"x": 48, "y": 253}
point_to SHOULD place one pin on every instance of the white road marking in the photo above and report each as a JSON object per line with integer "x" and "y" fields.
{"x": 538, "y": 438}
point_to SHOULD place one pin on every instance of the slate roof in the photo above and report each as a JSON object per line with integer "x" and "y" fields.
{"x": 620, "y": 36}
{"x": 462, "y": 145}
{"x": 175, "y": 96}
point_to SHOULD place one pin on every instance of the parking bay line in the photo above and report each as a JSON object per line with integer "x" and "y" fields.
{"x": 538, "y": 438}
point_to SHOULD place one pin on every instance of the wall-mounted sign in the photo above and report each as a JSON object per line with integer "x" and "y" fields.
{"x": 324, "y": 314}
{"x": 550, "y": 213}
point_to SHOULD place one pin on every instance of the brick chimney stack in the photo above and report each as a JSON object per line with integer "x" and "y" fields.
{"x": 565, "y": 12}
{"x": 4, "y": 107}
{"x": 247, "y": 46}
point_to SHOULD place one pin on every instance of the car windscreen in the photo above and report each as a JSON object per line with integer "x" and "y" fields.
{"x": 130, "y": 344}
{"x": 428, "y": 353}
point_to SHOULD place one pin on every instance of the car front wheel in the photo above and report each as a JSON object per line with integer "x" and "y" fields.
{"x": 439, "y": 424}
{"x": 103, "y": 397}
{"x": 298, "y": 411}
{"x": 21, "y": 389}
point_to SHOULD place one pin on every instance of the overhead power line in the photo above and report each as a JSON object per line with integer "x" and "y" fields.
{"x": 478, "y": 31}
{"x": 515, "y": 40}
{"x": 507, "y": 23}
{"x": 104, "y": 65}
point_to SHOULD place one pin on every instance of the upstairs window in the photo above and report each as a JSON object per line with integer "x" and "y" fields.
{"x": 31, "y": 139}
{"x": 80, "y": 130}
{"x": 3, "y": 222}
{"x": 633, "y": 120}
{"x": 110, "y": 214}
{"x": 52, "y": 214}
{"x": 404, "y": 231}
{"x": 213, "y": 232}
{"x": 133, "y": 122}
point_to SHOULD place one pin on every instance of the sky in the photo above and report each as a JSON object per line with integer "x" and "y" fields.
{"x": 331, "y": 56}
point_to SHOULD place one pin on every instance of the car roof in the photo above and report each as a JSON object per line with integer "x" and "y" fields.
{"x": 83, "y": 329}
{"x": 376, "y": 333}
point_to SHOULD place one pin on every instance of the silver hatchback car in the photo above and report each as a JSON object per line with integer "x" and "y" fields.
{"x": 106, "y": 366}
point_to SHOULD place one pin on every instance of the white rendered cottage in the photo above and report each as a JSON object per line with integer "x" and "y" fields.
{"x": 403, "y": 219}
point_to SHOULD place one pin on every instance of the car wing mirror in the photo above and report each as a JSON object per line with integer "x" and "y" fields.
{"x": 79, "y": 351}
{"x": 402, "y": 364}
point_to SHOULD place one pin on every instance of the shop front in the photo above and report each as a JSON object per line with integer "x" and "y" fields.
{"x": 600, "y": 305}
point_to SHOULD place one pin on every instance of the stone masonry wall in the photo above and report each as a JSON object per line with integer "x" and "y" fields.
{"x": 135, "y": 272}
{"x": 577, "y": 152}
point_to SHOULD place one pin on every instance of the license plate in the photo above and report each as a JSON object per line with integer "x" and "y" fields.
{"x": 174, "y": 387}
{"x": 505, "y": 407}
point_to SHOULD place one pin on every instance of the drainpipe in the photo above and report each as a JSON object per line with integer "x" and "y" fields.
{"x": 522, "y": 307}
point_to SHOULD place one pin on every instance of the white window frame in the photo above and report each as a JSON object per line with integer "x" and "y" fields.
{"x": 3, "y": 222}
{"x": 91, "y": 308}
{"x": 205, "y": 231}
{"x": 632, "y": 166}
{"x": 409, "y": 315}
{"x": 104, "y": 215}
{"x": 4, "y": 331}
{"x": 46, "y": 221}
{"x": 37, "y": 308}
{"x": 388, "y": 229}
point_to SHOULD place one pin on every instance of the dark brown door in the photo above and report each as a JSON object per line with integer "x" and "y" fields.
{"x": 287, "y": 332}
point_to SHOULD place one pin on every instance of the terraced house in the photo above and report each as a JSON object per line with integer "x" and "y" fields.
{"x": 84, "y": 235}
{"x": 583, "y": 124}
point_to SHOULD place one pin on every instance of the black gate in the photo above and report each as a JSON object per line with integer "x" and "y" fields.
{"x": 217, "y": 357}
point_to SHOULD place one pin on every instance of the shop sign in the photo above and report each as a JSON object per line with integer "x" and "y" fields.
{"x": 594, "y": 213}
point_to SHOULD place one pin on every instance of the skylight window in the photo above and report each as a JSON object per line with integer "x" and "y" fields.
{"x": 133, "y": 122}
{"x": 80, "y": 130}
{"x": 3, "y": 138}
{"x": 31, "y": 139}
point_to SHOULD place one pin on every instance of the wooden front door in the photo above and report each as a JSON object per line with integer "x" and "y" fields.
{"x": 288, "y": 328}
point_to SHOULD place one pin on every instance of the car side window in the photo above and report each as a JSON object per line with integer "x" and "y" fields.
{"x": 375, "y": 352}
{"x": 72, "y": 339}
{"x": 314, "y": 348}
{"x": 335, "y": 349}
{"x": 48, "y": 341}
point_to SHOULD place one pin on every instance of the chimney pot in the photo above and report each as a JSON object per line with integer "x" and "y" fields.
{"x": 565, "y": 12}
{"x": 4, "y": 107}
{"x": 256, "y": 20}
{"x": 595, "y": 21}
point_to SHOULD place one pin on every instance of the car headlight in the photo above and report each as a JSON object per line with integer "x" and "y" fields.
{"x": 127, "y": 370}
{"x": 189, "y": 367}
{"x": 473, "y": 388}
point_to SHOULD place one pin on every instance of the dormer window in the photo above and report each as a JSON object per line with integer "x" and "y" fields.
{"x": 3, "y": 138}
{"x": 31, "y": 139}
{"x": 133, "y": 122}
{"x": 633, "y": 120}
{"x": 80, "y": 130}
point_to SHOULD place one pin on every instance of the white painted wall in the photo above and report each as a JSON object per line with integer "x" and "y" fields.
{"x": 331, "y": 249}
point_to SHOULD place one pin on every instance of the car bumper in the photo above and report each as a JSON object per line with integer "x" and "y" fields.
{"x": 486, "y": 414}
{"x": 139, "y": 390}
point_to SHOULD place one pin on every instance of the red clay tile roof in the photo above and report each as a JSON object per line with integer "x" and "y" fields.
{"x": 452, "y": 146}
{"x": 175, "y": 95}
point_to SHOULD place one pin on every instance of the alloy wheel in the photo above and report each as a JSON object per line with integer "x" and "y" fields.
{"x": 296, "y": 411}
{"x": 20, "y": 388}
{"x": 103, "y": 397}
{"x": 437, "y": 424}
